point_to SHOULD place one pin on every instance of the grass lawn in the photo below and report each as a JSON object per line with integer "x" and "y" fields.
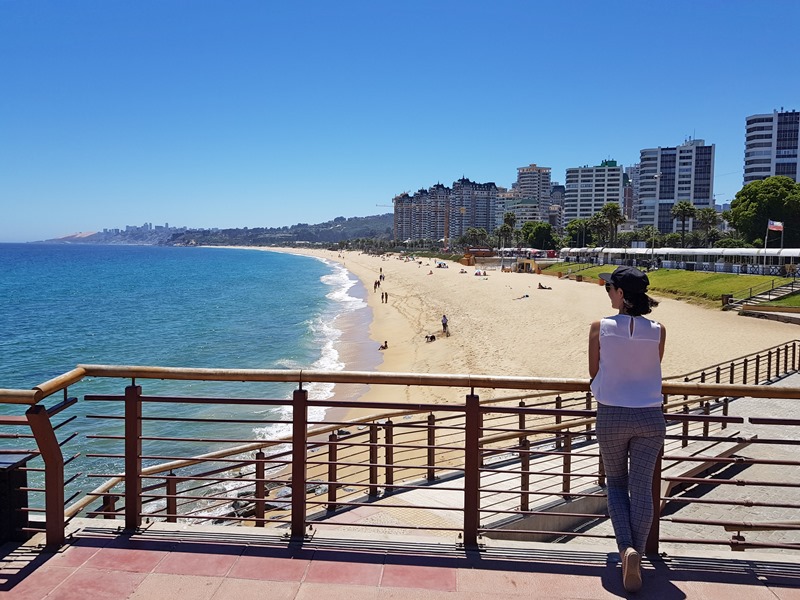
{"x": 688, "y": 284}
{"x": 787, "y": 301}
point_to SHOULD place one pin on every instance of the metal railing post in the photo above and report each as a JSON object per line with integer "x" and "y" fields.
{"x": 588, "y": 425}
{"x": 524, "y": 476}
{"x": 171, "y": 485}
{"x": 731, "y": 373}
{"x": 725, "y": 410}
{"x": 472, "y": 454}
{"x": 566, "y": 479}
{"x": 651, "y": 547}
{"x": 47, "y": 443}
{"x": 601, "y": 472}
{"x": 133, "y": 457}
{"x": 299, "y": 464}
{"x": 685, "y": 428}
{"x": 109, "y": 506}
{"x": 261, "y": 489}
{"x": 373, "y": 460}
{"x": 332, "y": 474}
{"x": 786, "y": 359}
{"x": 522, "y": 423}
{"x": 758, "y": 368}
{"x": 559, "y": 406}
{"x": 388, "y": 428}
{"x": 432, "y": 447}
{"x": 769, "y": 365}
{"x": 744, "y": 372}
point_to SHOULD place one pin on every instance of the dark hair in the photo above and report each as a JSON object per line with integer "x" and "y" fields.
{"x": 638, "y": 304}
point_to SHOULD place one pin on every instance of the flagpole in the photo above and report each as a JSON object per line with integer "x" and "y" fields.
{"x": 766, "y": 235}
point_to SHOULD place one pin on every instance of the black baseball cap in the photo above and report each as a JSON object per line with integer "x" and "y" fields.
{"x": 629, "y": 279}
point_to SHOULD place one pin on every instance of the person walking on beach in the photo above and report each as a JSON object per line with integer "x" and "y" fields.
{"x": 625, "y": 352}
{"x": 445, "y": 331}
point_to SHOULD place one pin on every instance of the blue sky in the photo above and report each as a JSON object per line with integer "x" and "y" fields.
{"x": 247, "y": 113}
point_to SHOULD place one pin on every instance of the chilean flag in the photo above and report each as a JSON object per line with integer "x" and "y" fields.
{"x": 775, "y": 225}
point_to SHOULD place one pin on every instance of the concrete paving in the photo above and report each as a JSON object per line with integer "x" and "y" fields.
{"x": 167, "y": 561}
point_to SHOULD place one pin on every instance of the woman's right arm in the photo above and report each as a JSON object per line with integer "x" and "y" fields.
{"x": 594, "y": 349}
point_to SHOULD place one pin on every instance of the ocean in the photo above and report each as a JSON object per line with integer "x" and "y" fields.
{"x": 64, "y": 305}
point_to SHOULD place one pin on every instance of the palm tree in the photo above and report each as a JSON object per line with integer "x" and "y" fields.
{"x": 614, "y": 218}
{"x": 707, "y": 219}
{"x": 683, "y": 210}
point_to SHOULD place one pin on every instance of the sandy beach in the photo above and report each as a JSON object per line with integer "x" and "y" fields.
{"x": 502, "y": 324}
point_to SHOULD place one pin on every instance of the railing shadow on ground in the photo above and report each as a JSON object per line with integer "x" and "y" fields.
{"x": 523, "y": 454}
{"x": 665, "y": 576}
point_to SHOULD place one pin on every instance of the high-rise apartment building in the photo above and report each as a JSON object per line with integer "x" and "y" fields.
{"x": 771, "y": 145}
{"x": 669, "y": 175}
{"x": 533, "y": 188}
{"x": 631, "y": 193}
{"x": 441, "y": 212}
{"x": 589, "y": 188}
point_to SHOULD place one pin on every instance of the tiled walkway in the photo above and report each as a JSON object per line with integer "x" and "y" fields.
{"x": 198, "y": 563}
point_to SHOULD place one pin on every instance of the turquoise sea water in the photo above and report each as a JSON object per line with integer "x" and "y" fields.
{"x": 64, "y": 305}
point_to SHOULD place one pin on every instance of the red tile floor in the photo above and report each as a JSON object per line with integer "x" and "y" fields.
{"x": 162, "y": 561}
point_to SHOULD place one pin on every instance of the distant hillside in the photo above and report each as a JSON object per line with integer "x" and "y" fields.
{"x": 337, "y": 230}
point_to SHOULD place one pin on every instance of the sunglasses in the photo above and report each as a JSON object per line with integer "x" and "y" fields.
{"x": 608, "y": 286}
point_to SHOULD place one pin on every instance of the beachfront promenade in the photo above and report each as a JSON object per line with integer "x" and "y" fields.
{"x": 219, "y": 563}
{"x": 399, "y": 545}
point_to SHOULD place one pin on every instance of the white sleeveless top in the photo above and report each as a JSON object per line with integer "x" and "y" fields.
{"x": 630, "y": 366}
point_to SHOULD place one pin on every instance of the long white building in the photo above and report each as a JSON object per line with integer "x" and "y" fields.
{"x": 771, "y": 145}
{"x": 669, "y": 175}
{"x": 589, "y": 188}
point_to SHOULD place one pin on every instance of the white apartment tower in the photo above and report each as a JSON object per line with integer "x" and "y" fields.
{"x": 532, "y": 189}
{"x": 589, "y": 188}
{"x": 771, "y": 146}
{"x": 669, "y": 175}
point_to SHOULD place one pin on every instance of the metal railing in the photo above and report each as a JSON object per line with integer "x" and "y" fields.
{"x": 521, "y": 463}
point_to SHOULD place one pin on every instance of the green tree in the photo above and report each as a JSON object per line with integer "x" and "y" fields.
{"x": 612, "y": 214}
{"x": 649, "y": 234}
{"x": 542, "y": 237}
{"x": 707, "y": 220}
{"x": 527, "y": 229}
{"x": 577, "y": 229}
{"x": 775, "y": 198}
{"x": 683, "y": 210}
{"x": 626, "y": 239}
{"x": 510, "y": 219}
{"x": 598, "y": 225}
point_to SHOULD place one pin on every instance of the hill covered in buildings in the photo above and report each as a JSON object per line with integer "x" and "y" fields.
{"x": 337, "y": 230}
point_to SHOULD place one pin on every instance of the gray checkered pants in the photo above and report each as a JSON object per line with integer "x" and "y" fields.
{"x": 635, "y": 434}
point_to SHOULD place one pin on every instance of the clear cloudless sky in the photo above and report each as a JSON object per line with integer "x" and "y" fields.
{"x": 248, "y": 113}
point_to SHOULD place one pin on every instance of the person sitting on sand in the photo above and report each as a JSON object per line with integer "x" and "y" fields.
{"x": 544, "y": 287}
{"x": 430, "y": 338}
{"x": 384, "y": 346}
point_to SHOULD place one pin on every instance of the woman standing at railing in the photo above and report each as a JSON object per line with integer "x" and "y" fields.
{"x": 625, "y": 352}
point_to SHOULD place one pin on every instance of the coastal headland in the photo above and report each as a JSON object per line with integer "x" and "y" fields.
{"x": 503, "y": 324}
